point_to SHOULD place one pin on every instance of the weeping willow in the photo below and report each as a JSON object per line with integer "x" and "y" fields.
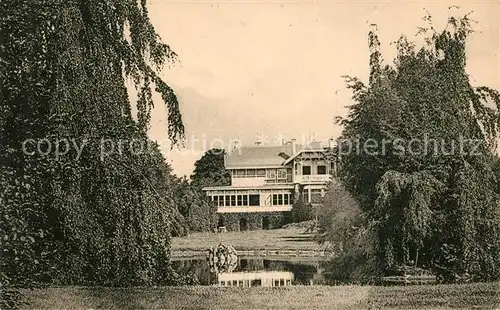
{"x": 433, "y": 209}
{"x": 83, "y": 218}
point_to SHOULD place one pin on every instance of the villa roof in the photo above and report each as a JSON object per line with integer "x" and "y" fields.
{"x": 257, "y": 156}
{"x": 265, "y": 156}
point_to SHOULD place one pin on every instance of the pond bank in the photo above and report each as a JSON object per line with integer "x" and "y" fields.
{"x": 267, "y": 253}
{"x": 292, "y": 239}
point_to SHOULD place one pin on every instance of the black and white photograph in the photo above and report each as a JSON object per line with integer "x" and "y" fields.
{"x": 249, "y": 154}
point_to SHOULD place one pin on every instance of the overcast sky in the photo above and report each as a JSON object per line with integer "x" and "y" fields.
{"x": 274, "y": 69}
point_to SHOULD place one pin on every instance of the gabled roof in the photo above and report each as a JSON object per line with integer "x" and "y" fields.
{"x": 266, "y": 156}
{"x": 257, "y": 156}
{"x": 312, "y": 147}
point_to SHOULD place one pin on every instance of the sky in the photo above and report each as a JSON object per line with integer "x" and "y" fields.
{"x": 273, "y": 69}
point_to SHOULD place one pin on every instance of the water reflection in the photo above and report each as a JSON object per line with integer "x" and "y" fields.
{"x": 254, "y": 271}
{"x": 259, "y": 278}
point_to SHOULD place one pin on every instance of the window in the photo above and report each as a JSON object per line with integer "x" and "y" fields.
{"x": 215, "y": 200}
{"x": 245, "y": 200}
{"x": 240, "y": 200}
{"x": 261, "y": 173}
{"x": 223, "y": 283}
{"x": 286, "y": 199}
{"x": 321, "y": 169}
{"x": 254, "y": 200}
{"x": 239, "y": 173}
{"x": 306, "y": 170}
{"x": 289, "y": 176}
{"x": 250, "y": 173}
{"x": 228, "y": 200}
{"x": 221, "y": 200}
{"x": 281, "y": 199}
{"x": 282, "y": 174}
{"x": 233, "y": 200}
{"x": 271, "y": 174}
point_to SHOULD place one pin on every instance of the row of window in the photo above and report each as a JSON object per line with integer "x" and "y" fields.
{"x": 236, "y": 200}
{"x": 250, "y": 200}
{"x": 271, "y": 174}
{"x": 249, "y": 173}
{"x": 282, "y": 199}
{"x": 260, "y": 173}
{"x": 254, "y": 199}
{"x": 306, "y": 170}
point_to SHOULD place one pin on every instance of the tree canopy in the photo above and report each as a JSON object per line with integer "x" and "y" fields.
{"x": 210, "y": 170}
{"x": 433, "y": 201}
{"x": 85, "y": 195}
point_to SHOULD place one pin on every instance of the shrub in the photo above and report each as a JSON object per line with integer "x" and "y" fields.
{"x": 302, "y": 211}
{"x": 342, "y": 225}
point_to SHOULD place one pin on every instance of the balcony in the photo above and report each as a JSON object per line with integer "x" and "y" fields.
{"x": 313, "y": 178}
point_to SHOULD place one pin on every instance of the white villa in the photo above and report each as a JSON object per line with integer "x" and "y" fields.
{"x": 267, "y": 180}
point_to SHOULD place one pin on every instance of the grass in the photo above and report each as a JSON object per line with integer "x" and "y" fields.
{"x": 276, "y": 239}
{"x": 466, "y": 296}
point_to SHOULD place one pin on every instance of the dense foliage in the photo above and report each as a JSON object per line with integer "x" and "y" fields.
{"x": 93, "y": 203}
{"x": 210, "y": 170}
{"x": 197, "y": 213}
{"x": 431, "y": 205}
{"x": 347, "y": 233}
{"x": 301, "y": 212}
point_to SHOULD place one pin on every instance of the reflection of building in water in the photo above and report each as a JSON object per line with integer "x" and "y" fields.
{"x": 259, "y": 278}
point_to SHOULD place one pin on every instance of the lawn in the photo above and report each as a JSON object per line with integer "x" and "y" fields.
{"x": 276, "y": 239}
{"x": 467, "y": 296}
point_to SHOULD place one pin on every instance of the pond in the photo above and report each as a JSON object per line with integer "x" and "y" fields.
{"x": 255, "y": 271}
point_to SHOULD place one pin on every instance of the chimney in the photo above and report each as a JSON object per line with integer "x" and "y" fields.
{"x": 294, "y": 147}
{"x": 236, "y": 145}
{"x": 330, "y": 143}
{"x": 257, "y": 140}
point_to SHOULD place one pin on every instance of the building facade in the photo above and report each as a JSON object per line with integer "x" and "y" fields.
{"x": 267, "y": 180}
